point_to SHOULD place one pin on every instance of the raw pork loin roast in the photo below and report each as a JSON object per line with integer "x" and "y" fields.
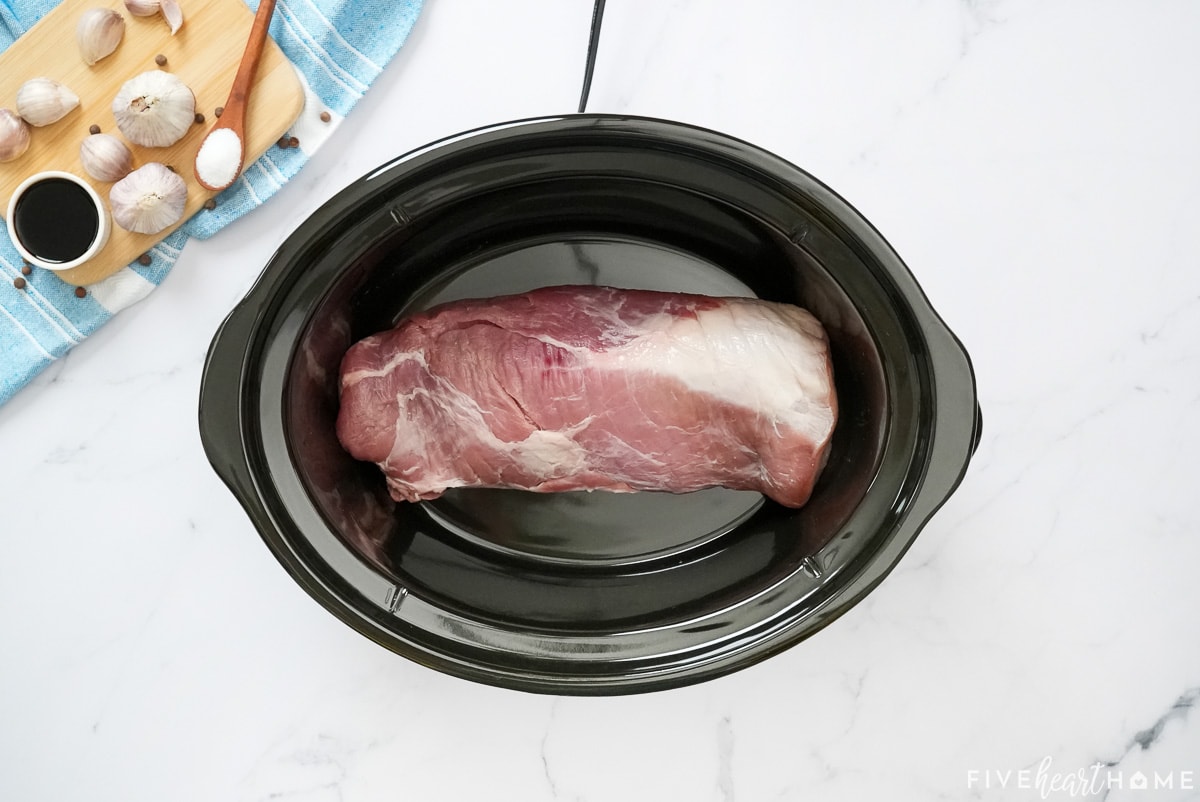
{"x": 594, "y": 388}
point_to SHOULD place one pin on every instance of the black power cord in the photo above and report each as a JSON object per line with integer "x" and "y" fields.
{"x": 593, "y": 46}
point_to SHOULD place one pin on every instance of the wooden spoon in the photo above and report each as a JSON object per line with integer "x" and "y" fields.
{"x": 221, "y": 156}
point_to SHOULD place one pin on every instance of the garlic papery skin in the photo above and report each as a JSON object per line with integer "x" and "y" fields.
{"x": 173, "y": 14}
{"x": 14, "y": 136}
{"x": 154, "y": 109}
{"x": 41, "y": 101}
{"x": 98, "y": 33}
{"x": 105, "y": 158}
{"x": 141, "y": 8}
{"x": 148, "y": 200}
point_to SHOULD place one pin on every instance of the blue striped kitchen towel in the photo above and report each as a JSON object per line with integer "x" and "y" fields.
{"x": 338, "y": 47}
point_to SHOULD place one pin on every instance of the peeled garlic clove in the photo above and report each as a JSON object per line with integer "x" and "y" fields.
{"x": 14, "y": 136}
{"x": 154, "y": 109}
{"x": 141, "y": 8}
{"x": 173, "y": 14}
{"x": 105, "y": 158}
{"x": 148, "y": 200}
{"x": 98, "y": 32}
{"x": 42, "y": 101}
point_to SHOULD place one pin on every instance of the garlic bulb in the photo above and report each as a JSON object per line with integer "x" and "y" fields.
{"x": 169, "y": 9}
{"x": 98, "y": 32}
{"x": 154, "y": 109}
{"x": 14, "y": 136}
{"x": 148, "y": 200}
{"x": 42, "y": 101}
{"x": 105, "y": 158}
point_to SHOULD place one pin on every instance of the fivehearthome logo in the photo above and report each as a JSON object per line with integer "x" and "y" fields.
{"x": 1095, "y": 781}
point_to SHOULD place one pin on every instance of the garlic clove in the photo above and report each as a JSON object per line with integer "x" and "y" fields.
{"x": 173, "y": 14}
{"x": 154, "y": 109}
{"x": 170, "y": 10}
{"x": 141, "y": 8}
{"x": 41, "y": 101}
{"x": 148, "y": 200}
{"x": 98, "y": 32}
{"x": 14, "y": 136}
{"x": 105, "y": 158}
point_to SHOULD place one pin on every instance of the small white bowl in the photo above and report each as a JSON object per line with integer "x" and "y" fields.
{"x": 103, "y": 221}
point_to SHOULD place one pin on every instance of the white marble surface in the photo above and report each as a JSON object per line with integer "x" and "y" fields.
{"x": 1033, "y": 161}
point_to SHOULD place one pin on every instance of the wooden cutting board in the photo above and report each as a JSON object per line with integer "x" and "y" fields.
{"x": 204, "y": 54}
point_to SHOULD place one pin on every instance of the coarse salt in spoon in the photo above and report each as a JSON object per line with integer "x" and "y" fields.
{"x": 223, "y": 151}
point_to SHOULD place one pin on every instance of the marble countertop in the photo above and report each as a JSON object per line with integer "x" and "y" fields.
{"x": 1035, "y": 165}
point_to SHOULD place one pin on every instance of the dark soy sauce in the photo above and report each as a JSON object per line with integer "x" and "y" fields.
{"x": 56, "y": 220}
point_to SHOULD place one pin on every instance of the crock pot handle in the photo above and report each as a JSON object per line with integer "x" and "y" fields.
{"x": 220, "y": 402}
{"x": 978, "y": 433}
